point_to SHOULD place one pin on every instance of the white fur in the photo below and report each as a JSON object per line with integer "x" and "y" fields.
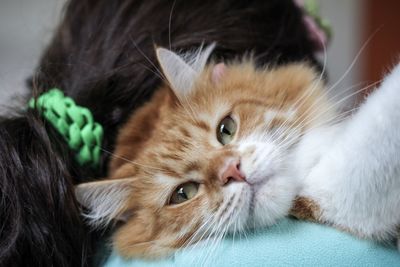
{"x": 353, "y": 169}
{"x": 271, "y": 183}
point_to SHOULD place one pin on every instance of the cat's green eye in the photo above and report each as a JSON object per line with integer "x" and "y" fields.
{"x": 184, "y": 192}
{"x": 226, "y": 130}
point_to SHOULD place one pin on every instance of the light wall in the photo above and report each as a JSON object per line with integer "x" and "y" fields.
{"x": 347, "y": 20}
{"x": 25, "y": 28}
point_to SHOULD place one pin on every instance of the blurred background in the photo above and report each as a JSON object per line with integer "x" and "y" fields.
{"x": 26, "y": 27}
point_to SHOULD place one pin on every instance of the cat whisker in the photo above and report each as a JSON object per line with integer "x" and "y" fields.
{"x": 148, "y": 59}
{"x": 348, "y": 69}
{"x": 209, "y": 238}
{"x": 309, "y": 92}
{"x": 169, "y": 24}
{"x": 219, "y": 224}
{"x": 128, "y": 160}
{"x": 355, "y": 58}
{"x": 200, "y": 231}
{"x": 221, "y": 233}
{"x": 301, "y": 119}
{"x": 209, "y": 223}
{"x": 336, "y": 104}
{"x": 152, "y": 71}
{"x": 301, "y": 100}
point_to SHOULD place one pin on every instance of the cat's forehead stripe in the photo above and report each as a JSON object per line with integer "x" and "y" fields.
{"x": 171, "y": 156}
{"x": 192, "y": 166}
{"x": 202, "y": 125}
{"x": 184, "y": 132}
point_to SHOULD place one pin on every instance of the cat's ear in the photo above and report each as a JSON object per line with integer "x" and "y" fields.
{"x": 218, "y": 72}
{"x": 182, "y": 71}
{"x": 105, "y": 200}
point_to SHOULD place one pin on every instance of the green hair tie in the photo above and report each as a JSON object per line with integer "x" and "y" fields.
{"x": 75, "y": 124}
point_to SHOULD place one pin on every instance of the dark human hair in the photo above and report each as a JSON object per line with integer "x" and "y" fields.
{"x": 102, "y": 55}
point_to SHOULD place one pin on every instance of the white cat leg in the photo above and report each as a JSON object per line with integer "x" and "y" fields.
{"x": 357, "y": 180}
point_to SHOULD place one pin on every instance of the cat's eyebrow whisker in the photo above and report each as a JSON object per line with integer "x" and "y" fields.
{"x": 350, "y": 66}
{"x": 325, "y": 94}
{"x": 191, "y": 113}
{"x": 169, "y": 24}
{"x": 129, "y": 161}
{"x": 336, "y": 104}
{"x": 300, "y": 120}
{"x": 344, "y": 74}
{"x": 183, "y": 102}
{"x": 303, "y": 118}
{"x": 366, "y": 43}
{"x": 339, "y": 101}
{"x": 331, "y": 121}
{"x": 304, "y": 96}
{"x": 147, "y": 58}
{"x": 341, "y": 117}
{"x": 152, "y": 71}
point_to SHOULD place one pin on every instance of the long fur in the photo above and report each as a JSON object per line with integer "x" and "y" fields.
{"x": 102, "y": 55}
{"x": 356, "y": 181}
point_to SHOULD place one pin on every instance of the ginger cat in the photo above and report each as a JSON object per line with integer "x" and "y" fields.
{"x": 223, "y": 148}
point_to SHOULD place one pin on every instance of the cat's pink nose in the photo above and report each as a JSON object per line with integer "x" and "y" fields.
{"x": 232, "y": 172}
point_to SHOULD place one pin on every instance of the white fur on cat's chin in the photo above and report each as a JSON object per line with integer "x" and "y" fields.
{"x": 273, "y": 200}
{"x": 237, "y": 197}
{"x": 257, "y": 205}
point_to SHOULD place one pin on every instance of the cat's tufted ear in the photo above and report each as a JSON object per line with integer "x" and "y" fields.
{"x": 182, "y": 71}
{"x": 106, "y": 200}
{"x": 218, "y": 72}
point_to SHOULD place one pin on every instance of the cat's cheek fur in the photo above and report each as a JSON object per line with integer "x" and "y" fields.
{"x": 273, "y": 200}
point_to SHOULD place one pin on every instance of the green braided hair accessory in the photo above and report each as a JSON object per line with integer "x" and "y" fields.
{"x": 75, "y": 124}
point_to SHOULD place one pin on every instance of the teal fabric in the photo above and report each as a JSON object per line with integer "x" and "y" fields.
{"x": 289, "y": 243}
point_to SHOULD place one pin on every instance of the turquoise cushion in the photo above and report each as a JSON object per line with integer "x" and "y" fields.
{"x": 289, "y": 243}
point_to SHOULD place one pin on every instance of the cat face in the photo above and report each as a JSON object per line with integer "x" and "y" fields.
{"x": 211, "y": 153}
